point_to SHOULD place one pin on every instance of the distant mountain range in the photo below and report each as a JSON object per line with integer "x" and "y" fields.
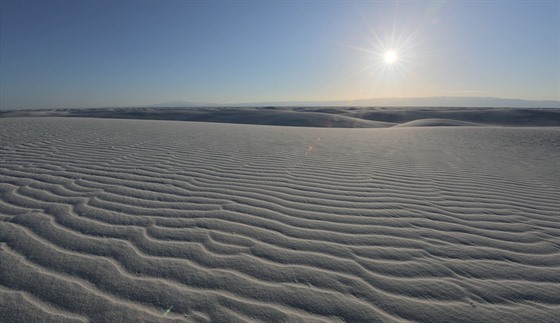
{"x": 442, "y": 101}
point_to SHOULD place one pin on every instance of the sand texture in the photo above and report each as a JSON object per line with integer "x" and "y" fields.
{"x": 105, "y": 220}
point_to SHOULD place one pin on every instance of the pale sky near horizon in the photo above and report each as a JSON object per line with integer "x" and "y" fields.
{"x": 61, "y": 54}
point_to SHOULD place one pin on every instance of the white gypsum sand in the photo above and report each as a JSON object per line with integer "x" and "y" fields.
{"x": 163, "y": 221}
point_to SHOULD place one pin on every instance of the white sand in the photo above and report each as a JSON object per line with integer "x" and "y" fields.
{"x": 120, "y": 220}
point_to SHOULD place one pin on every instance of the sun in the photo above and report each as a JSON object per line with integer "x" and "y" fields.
{"x": 390, "y": 57}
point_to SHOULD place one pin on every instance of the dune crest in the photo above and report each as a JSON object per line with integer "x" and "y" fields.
{"x": 437, "y": 122}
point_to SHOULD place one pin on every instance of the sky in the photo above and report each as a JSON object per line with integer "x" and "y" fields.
{"x": 68, "y": 54}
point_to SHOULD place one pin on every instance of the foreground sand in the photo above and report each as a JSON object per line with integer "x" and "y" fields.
{"x": 163, "y": 221}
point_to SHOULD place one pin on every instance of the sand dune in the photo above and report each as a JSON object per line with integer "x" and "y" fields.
{"x": 108, "y": 220}
{"x": 262, "y": 116}
{"x": 323, "y": 117}
{"x": 488, "y": 116}
{"x": 436, "y": 122}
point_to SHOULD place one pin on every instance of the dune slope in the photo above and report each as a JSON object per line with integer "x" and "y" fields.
{"x": 323, "y": 117}
{"x": 107, "y": 220}
{"x": 436, "y": 122}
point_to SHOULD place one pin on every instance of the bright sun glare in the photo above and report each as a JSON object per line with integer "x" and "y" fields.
{"x": 390, "y": 57}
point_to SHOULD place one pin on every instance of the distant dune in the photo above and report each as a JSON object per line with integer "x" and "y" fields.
{"x": 105, "y": 220}
{"x": 436, "y": 122}
{"x": 330, "y": 117}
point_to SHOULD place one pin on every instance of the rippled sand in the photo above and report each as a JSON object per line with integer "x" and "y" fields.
{"x": 163, "y": 221}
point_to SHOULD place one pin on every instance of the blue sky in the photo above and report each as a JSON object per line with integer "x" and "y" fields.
{"x": 60, "y": 54}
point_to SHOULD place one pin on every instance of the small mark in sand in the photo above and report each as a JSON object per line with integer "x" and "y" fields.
{"x": 472, "y": 304}
{"x": 167, "y": 311}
